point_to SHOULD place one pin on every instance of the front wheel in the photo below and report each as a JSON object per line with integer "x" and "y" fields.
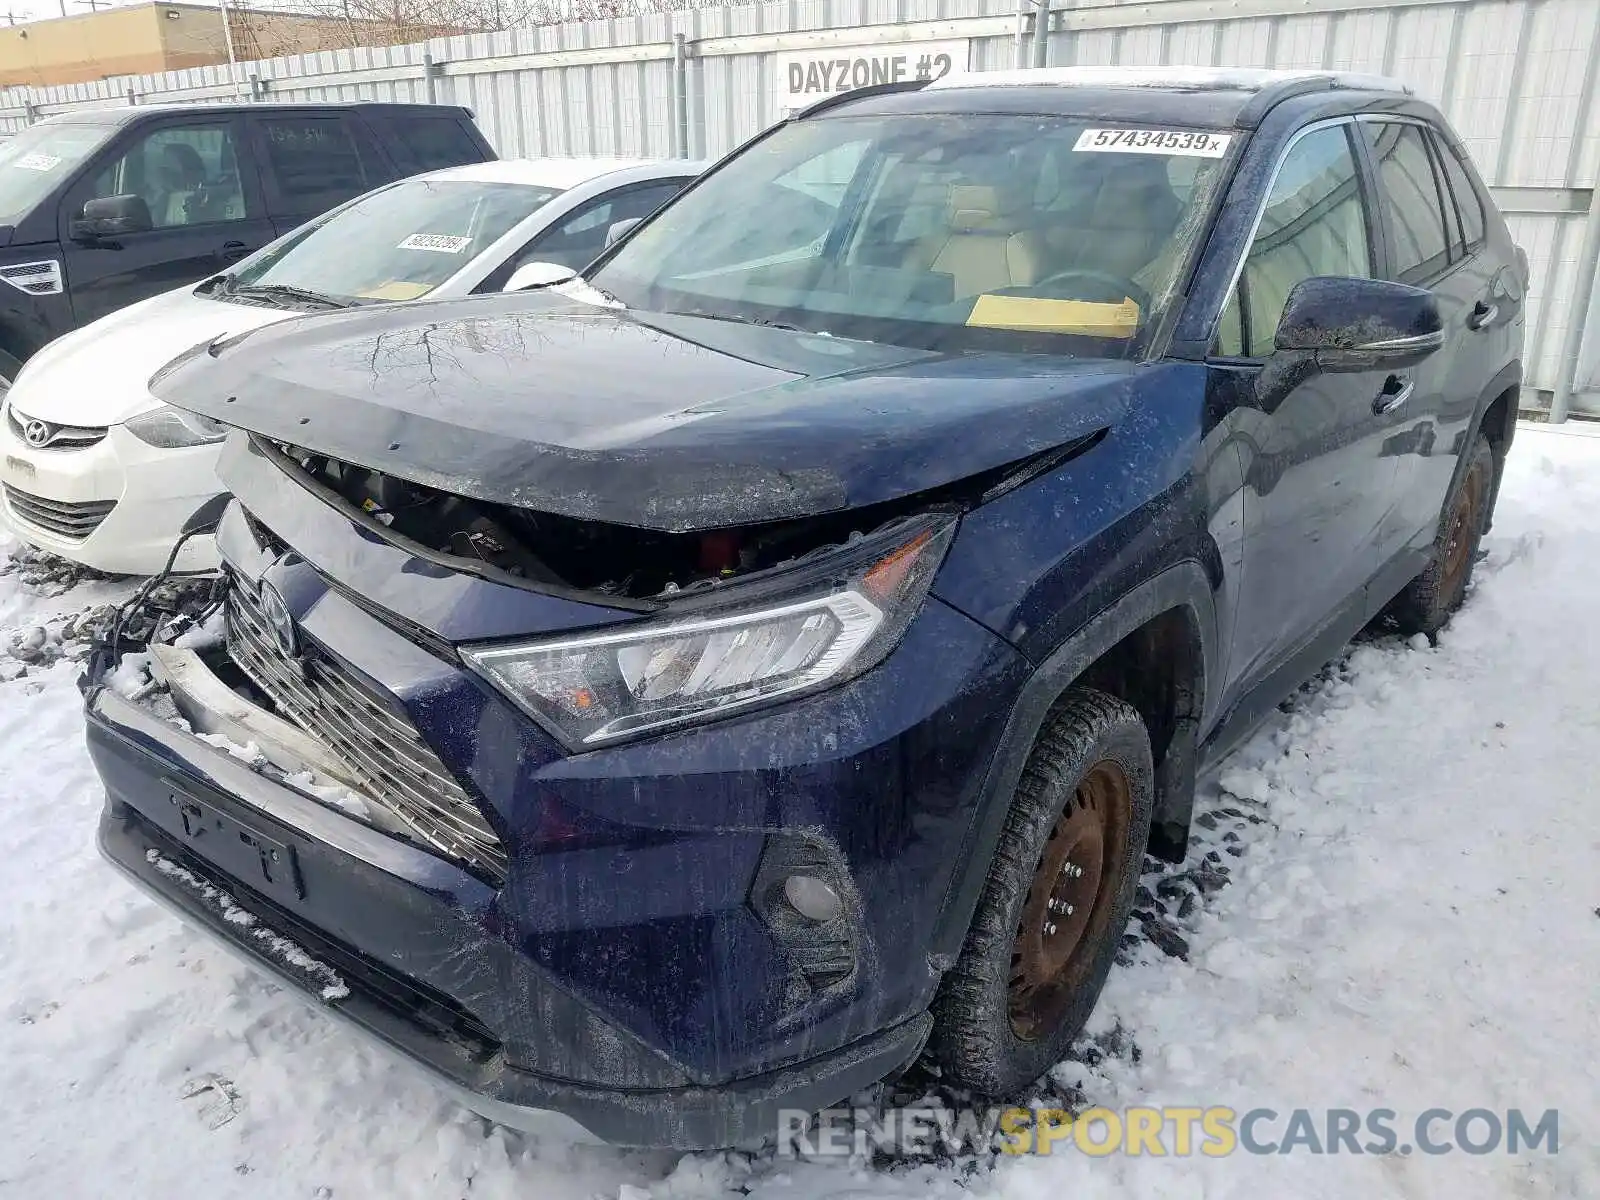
{"x": 1059, "y": 893}
{"x": 8, "y": 372}
{"x": 1429, "y": 599}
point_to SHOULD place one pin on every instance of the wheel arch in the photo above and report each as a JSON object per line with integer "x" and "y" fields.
{"x": 1166, "y": 622}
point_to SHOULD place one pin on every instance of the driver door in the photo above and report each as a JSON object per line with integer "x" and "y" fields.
{"x": 1320, "y": 466}
{"x": 205, "y": 206}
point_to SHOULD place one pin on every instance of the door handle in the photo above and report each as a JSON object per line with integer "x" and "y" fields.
{"x": 1397, "y": 390}
{"x": 1483, "y": 315}
{"x": 232, "y": 251}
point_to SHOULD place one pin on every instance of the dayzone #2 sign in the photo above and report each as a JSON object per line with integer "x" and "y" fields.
{"x": 806, "y": 76}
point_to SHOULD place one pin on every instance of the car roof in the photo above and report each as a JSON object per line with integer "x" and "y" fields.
{"x": 1183, "y": 96}
{"x": 1175, "y": 78}
{"x": 121, "y": 114}
{"x": 562, "y": 173}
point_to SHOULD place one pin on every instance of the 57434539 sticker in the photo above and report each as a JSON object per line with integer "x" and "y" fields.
{"x": 1187, "y": 143}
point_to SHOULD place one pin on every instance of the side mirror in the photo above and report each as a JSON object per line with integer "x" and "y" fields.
{"x": 112, "y": 216}
{"x": 614, "y": 234}
{"x": 538, "y": 275}
{"x": 1351, "y": 324}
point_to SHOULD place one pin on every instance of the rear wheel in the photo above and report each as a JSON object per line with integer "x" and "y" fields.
{"x": 1429, "y": 599}
{"x": 1057, "y": 899}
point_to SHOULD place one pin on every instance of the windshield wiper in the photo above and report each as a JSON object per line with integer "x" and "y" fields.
{"x": 732, "y": 320}
{"x": 281, "y": 291}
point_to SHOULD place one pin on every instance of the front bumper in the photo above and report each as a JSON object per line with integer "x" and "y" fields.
{"x": 414, "y": 945}
{"x": 151, "y": 493}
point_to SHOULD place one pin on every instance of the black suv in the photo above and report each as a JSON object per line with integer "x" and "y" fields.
{"x": 768, "y": 657}
{"x": 104, "y": 207}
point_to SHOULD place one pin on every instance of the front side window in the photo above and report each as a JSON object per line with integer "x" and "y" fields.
{"x": 399, "y": 243}
{"x": 940, "y": 231}
{"x": 185, "y": 174}
{"x": 1314, "y": 223}
{"x": 576, "y": 241}
{"x": 1419, "y": 242}
{"x": 314, "y": 160}
{"x": 38, "y": 159}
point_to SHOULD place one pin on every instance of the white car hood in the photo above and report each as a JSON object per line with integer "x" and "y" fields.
{"x": 98, "y": 375}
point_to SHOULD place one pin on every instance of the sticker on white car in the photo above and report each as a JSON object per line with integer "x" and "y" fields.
{"x": 439, "y": 243}
{"x": 1184, "y": 143}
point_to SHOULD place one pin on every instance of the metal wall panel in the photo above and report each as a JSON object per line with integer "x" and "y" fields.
{"x": 1520, "y": 79}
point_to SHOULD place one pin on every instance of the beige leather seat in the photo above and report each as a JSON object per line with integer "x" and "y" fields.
{"x": 990, "y": 244}
{"x": 1124, "y": 227}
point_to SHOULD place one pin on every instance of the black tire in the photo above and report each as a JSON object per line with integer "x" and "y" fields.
{"x": 1429, "y": 599}
{"x": 998, "y": 1025}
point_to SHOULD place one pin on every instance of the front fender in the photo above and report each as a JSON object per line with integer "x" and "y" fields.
{"x": 1184, "y": 585}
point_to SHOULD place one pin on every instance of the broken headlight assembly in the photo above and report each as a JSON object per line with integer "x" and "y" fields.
{"x": 807, "y": 626}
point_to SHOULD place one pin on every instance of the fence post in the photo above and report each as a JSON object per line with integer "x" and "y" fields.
{"x": 1578, "y": 311}
{"x": 1041, "y": 33}
{"x": 30, "y": 111}
{"x": 133, "y": 96}
{"x": 680, "y": 95}
{"x": 430, "y": 77}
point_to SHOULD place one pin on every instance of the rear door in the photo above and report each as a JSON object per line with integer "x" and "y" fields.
{"x": 205, "y": 204}
{"x": 1436, "y": 231}
{"x": 1319, "y": 474}
{"x": 311, "y": 162}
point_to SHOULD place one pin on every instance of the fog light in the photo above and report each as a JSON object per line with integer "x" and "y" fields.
{"x": 812, "y": 898}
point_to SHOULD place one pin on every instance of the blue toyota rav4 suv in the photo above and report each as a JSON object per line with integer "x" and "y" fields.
{"x": 704, "y": 686}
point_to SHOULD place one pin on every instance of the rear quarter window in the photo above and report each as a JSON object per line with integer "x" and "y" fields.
{"x": 425, "y": 143}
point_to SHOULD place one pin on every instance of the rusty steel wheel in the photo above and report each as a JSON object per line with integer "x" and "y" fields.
{"x": 1428, "y": 600}
{"x": 1462, "y": 527}
{"x": 1058, "y": 893}
{"x": 1070, "y": 900}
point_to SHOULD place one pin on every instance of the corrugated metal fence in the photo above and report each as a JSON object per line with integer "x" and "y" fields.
{"x": 1519, "y": 79}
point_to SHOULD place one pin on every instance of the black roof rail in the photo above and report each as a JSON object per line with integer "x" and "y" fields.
{"x": 860, "y": 93}
{"x": 1267, "y": 98}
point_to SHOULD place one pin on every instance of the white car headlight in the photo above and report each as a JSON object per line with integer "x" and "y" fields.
{"x": 806, "y": 628}
{"x": 172, "y": 428}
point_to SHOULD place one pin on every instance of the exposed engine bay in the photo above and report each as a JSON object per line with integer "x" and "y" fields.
{"x": 619, "y": 560}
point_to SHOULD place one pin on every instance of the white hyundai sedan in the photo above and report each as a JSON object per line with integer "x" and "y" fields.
{"x": 95, "y": 469}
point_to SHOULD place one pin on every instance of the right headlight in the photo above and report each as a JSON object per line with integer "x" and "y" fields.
{"x": 173, "y": 429}
{"x": 804, "y": 629}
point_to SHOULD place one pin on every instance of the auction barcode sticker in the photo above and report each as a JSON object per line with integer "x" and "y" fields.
{"x": 441, "y": 243}
{"x": 1187, "y": 143}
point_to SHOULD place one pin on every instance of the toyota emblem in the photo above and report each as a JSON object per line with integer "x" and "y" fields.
{"x": 276, "y": 610}
{"x": 37, "y": 432}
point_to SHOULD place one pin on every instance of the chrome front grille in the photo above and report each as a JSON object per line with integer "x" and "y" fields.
{"x": 74, "y": 520}
{"x": 47, "y": 435}
{"x": 384, "y": 751}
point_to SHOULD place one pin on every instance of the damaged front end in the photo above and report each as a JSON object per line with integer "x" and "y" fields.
{"x": 583, "y": 817}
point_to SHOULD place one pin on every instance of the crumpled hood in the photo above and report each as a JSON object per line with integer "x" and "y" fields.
{"x": 98, "y": 375}
{"x": 654, "y": 421}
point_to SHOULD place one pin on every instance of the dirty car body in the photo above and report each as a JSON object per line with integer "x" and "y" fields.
{"x": 619, "y": 610}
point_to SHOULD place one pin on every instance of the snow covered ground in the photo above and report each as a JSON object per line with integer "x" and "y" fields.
{"x": 1415, "y": 924}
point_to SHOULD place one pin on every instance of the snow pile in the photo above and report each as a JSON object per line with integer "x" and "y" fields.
{"x": 1391, "y": 903}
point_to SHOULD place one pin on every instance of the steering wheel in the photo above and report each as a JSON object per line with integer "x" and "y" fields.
{"x": 1126, "y": 287}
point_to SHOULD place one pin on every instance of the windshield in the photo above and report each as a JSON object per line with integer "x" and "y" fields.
{"x": 398, "y": 243}
{"x": 34, "y": 161}
{"x": 939, "y": 231}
